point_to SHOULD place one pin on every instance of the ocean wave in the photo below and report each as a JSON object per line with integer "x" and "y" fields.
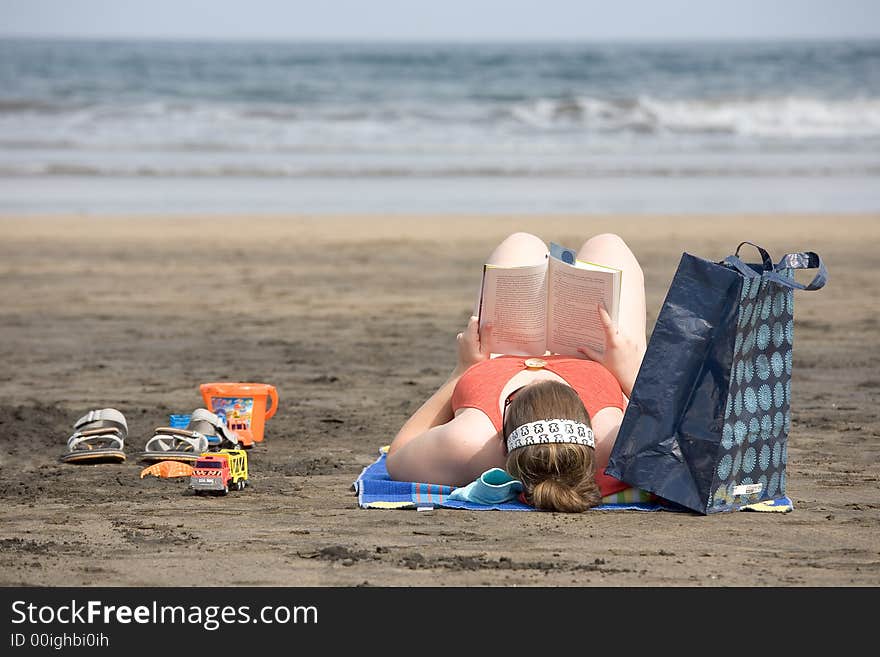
{"x": 790, "y": 117}
{"x": 576, "y": 120}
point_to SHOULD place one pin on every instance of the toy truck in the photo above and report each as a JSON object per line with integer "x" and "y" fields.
{"x": 220, "y": 471}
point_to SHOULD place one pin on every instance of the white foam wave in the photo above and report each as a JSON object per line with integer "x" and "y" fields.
{"x": 189, "y": 126}
{"x": 781, "y": 118}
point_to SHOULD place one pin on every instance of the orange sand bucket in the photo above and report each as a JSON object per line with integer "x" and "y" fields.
{"x": 243, "y": 406}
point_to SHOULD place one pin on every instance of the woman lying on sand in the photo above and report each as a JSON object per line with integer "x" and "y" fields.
{"x": 482, "y": 417}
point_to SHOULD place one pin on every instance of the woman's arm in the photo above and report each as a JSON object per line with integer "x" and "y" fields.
{"x": 454, "y": 453}
{"x": 622, "y": 356}
{"x": 606, "y": 425}
{"x": 437, "y": 410}
{"x": 434, "y": 446}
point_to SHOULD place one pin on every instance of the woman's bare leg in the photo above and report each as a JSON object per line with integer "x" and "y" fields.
{"x": 517, "y": 250}
{"x": 610, "y": 250}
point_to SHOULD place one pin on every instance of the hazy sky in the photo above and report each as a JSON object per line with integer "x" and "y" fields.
{"x": 442, "y": 19}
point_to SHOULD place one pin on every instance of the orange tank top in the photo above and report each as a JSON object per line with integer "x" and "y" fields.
{"x": 481, "y": 385}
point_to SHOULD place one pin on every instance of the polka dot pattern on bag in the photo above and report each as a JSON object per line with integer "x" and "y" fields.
{"x": 758, "y": 408}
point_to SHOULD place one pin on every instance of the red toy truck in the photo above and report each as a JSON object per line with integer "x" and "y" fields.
{"x": 220, "y": 472}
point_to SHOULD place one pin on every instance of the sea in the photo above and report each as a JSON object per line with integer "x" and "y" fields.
{"x": 143, "y": 127}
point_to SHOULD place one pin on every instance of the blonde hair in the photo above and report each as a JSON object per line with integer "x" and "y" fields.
{"x": 555, "y": 476}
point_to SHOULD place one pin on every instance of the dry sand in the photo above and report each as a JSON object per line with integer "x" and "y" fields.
{"x": 353, "y": 319}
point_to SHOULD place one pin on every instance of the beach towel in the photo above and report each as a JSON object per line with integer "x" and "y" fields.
{"x": 376, "y": 490}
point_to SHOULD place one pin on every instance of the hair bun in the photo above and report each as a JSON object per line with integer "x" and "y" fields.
{"x": 554, "y": 495}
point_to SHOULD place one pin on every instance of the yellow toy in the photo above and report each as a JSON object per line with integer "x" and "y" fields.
{"x": 220, "y": 471}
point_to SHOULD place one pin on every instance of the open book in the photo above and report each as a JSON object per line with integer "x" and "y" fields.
{"x": 548, "y": 307}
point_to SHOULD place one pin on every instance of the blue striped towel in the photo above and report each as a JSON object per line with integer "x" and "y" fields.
{"x": 376, "y": 490}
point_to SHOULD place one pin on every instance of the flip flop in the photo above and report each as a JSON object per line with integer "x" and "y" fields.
{"x": 170, "y": 444}
{"x": 98, "y": 436}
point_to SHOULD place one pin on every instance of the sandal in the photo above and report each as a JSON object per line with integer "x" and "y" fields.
{"x": 204, "y": 429}
{"x": 219, "y": 435}
{"x": 98, "y": 436}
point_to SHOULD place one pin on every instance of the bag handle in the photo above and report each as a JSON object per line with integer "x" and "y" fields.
{"x": 735, "y": 262}
{"x": 765, "y": 257}
{"x": 741, "y": 267}
{"x": 798, "y": 260}
{"x": 802, "y": 260}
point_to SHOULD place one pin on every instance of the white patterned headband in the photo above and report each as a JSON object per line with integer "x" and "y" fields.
{"x": 550, "y": 431}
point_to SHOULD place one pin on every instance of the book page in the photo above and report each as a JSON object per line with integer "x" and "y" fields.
{"x": 514, "y": 301}
{"x": 573, "y": 320}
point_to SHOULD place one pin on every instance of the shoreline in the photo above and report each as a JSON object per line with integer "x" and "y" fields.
{"x": 379, "y": 195}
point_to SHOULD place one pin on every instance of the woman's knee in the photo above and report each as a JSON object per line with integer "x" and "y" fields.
{"x": 606, "y": 240}
{"x": 523, "y": 240}
{"x": 519, "y": 249}
{"x": 613, "y": 245}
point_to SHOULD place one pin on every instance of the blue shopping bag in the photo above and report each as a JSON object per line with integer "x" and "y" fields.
{"x": 707, "y": 425}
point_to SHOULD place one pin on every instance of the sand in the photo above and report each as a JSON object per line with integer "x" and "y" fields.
{"x": 353, "y": 319}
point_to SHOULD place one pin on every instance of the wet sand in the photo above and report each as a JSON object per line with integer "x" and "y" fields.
{"x": 353, "y": 318}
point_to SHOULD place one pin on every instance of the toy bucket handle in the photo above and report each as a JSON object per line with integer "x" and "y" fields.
{"x": 273, "y": 395}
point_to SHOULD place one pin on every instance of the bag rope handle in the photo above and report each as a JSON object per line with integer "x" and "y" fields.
{"x": 797, "y": 260}
{"x": 765, "y": 257}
